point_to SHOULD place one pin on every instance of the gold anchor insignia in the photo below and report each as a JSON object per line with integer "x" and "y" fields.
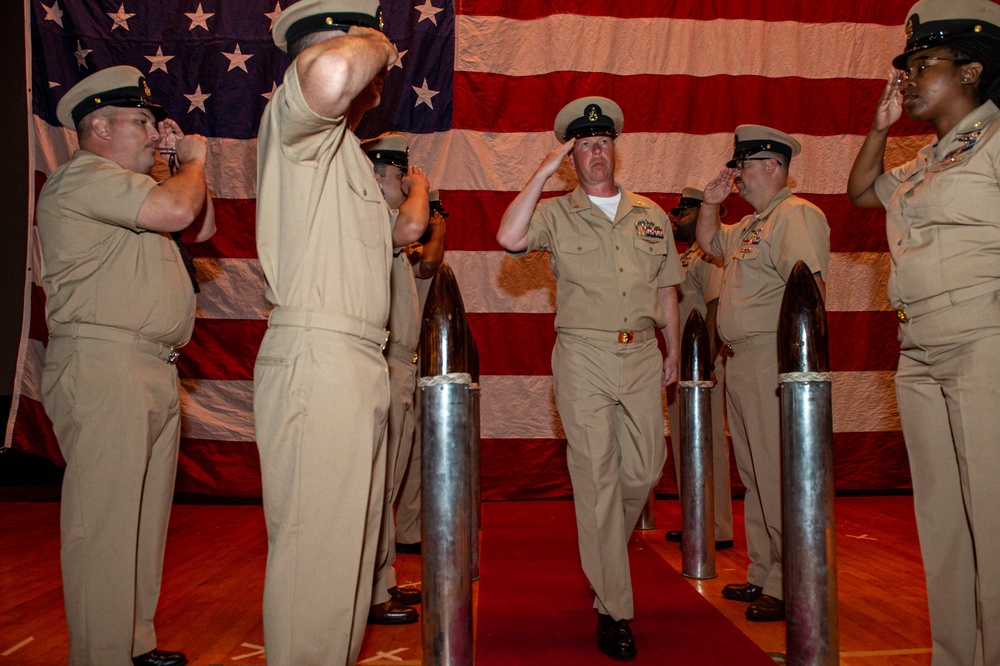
{"x": 380, "y": 23}
{"x": 593, "y": 113}
{"x": 145, "y": 88}
{"x": 909, "y": 28}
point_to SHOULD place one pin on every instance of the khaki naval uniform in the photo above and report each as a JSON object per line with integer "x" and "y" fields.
{"x": 408, "y": 522}
{"x": 944, "y": 239}
{"x": 401, "y": 355}
{"x": 321, "y": 387}
{"x": 701, "y": 285}
{"x": 118, "y": 300}
{"x": 759, "y": 254}
{"x": 608, "y": 369}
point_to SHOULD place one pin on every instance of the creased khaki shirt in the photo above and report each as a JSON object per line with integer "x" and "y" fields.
{"x": 98, "y": 267}
{"x": 759, "y": 254}
{"x": 323, "y": 228}
{"x": 943, "y": 212}
{"x": 607, "y": 272}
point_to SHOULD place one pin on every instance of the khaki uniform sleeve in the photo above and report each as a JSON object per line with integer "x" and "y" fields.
{"x": 105, "y": 192}
{"x": 802, "y": 235}
{"x": 670, "y": 272}
{"x": 304, "y": 135}
{"x": 539, "y": 229}
{"x": 711, "y": 279}
{"x": 886, "y": 184}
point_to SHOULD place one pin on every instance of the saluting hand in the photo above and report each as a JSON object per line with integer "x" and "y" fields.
{"x": 192, "y": 147}
{"x": 719, "y": 187}
{"x": 890, "y": 104}
{"x": 552, "y": 161}
{"x": 414, "y": 176}
{"x": 391, "y": 55}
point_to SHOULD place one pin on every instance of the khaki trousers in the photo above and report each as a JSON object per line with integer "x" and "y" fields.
{"x": 320, "y": 405}
{"x": 402, "y": 385}
{"x": 408, "y": 523}
{"x": 755, "y": 425}
{"x": 116, "y": 414}
{"x": 609, "y": 397}
{"x": 949, "y": 406}
{"x": 720, "y": 451}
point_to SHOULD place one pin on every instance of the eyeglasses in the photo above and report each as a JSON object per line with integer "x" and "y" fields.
{"x": 918, "y": 66}
{"x": 742, "y": 162}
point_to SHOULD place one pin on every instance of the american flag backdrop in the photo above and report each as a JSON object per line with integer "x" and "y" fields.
{"x": 476, "y": 90}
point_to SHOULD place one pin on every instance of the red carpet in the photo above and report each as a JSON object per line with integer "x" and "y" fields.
{"x": 535, "y": 603}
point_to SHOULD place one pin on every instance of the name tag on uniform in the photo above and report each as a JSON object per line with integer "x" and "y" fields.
{"x": 647, "y": 229}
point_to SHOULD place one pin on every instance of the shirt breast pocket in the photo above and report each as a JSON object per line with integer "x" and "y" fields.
{"x": 369, "y": 203}
{"x": 651, "y": 254}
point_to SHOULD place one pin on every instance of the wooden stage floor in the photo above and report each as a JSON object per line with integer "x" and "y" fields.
{"x": 213, "y": 581}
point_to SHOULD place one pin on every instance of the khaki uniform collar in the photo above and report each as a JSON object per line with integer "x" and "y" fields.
{"x": 579, "y": 201}
{"x": 783, "y": 194}
{"x": 977, "y": 119}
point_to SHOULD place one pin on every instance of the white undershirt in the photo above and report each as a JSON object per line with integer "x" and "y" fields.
{"x": 607, "y": 204}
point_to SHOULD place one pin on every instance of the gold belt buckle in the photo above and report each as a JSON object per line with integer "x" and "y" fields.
{"x": 415, "y": 356}
{"x": 625, "y": 337}
{"x": 901, "y": 315}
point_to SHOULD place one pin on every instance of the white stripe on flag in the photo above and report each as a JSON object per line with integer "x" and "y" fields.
{"x": 674, "y": 46}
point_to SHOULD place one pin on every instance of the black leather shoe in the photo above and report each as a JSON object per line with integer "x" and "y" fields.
{"x": 614, "y": 638}
{"x": 408, "y": 548}
{"x": 675, "y": 536}
{"x": 160, "y": 658}
{"x": 746, "y": 592}
{"x": 408, "y": 597}
{"x": 392, "y": 612}
{"x": 766, "y": 609}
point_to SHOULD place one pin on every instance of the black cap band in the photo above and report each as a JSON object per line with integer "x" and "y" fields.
{"x": 937, "y": 33}
{"x": 129, "y": 96}
{"x": 685, "y": 202}
{"x": 332, "y": 21}
{"x": 593, "y": 122}
{"x": 396, "y": 158}
{"x": 745, "y": 149}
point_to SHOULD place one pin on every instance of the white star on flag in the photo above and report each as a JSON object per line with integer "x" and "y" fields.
{"x": 273, "y": 15}
{"x": 399, "y": 59}
{"x": 53, "y": 13}
{"x": 238, "y": 59}
{"x": 159, "y": 60}
{"x": 424, "y": 94}
{"x": 197, "y": 99}
{"x": 269, "y": 95}
{"x": 427, "y": 11}
{"x": 199, "y": 18}
{"x": 81, "y": 55}
{"x": 121, "y": 18}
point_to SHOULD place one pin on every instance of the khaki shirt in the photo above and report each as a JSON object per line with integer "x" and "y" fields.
{"x": 98, "y": 267}
{"x": 943, "y": 212}
{"x": 404, "y": 308}
{"x": 759, "y": 254}
{"x": 702, "y": 282}
{"x": 323, "y": 228}
{"x": 607, "y": 272}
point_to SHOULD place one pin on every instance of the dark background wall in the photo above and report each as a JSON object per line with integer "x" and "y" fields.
{"x": 14, "y": 192}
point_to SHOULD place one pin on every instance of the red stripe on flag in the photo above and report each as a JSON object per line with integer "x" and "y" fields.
{"x": 691, "y": 105}
{"x": 222, "y": 349}
{"x": 235, "y": 236}
{"x": 210, "y": 467}
{"x": 33, "y": 431}
{"x": 863, "y": 341}
{"x": 883, "y": 13}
